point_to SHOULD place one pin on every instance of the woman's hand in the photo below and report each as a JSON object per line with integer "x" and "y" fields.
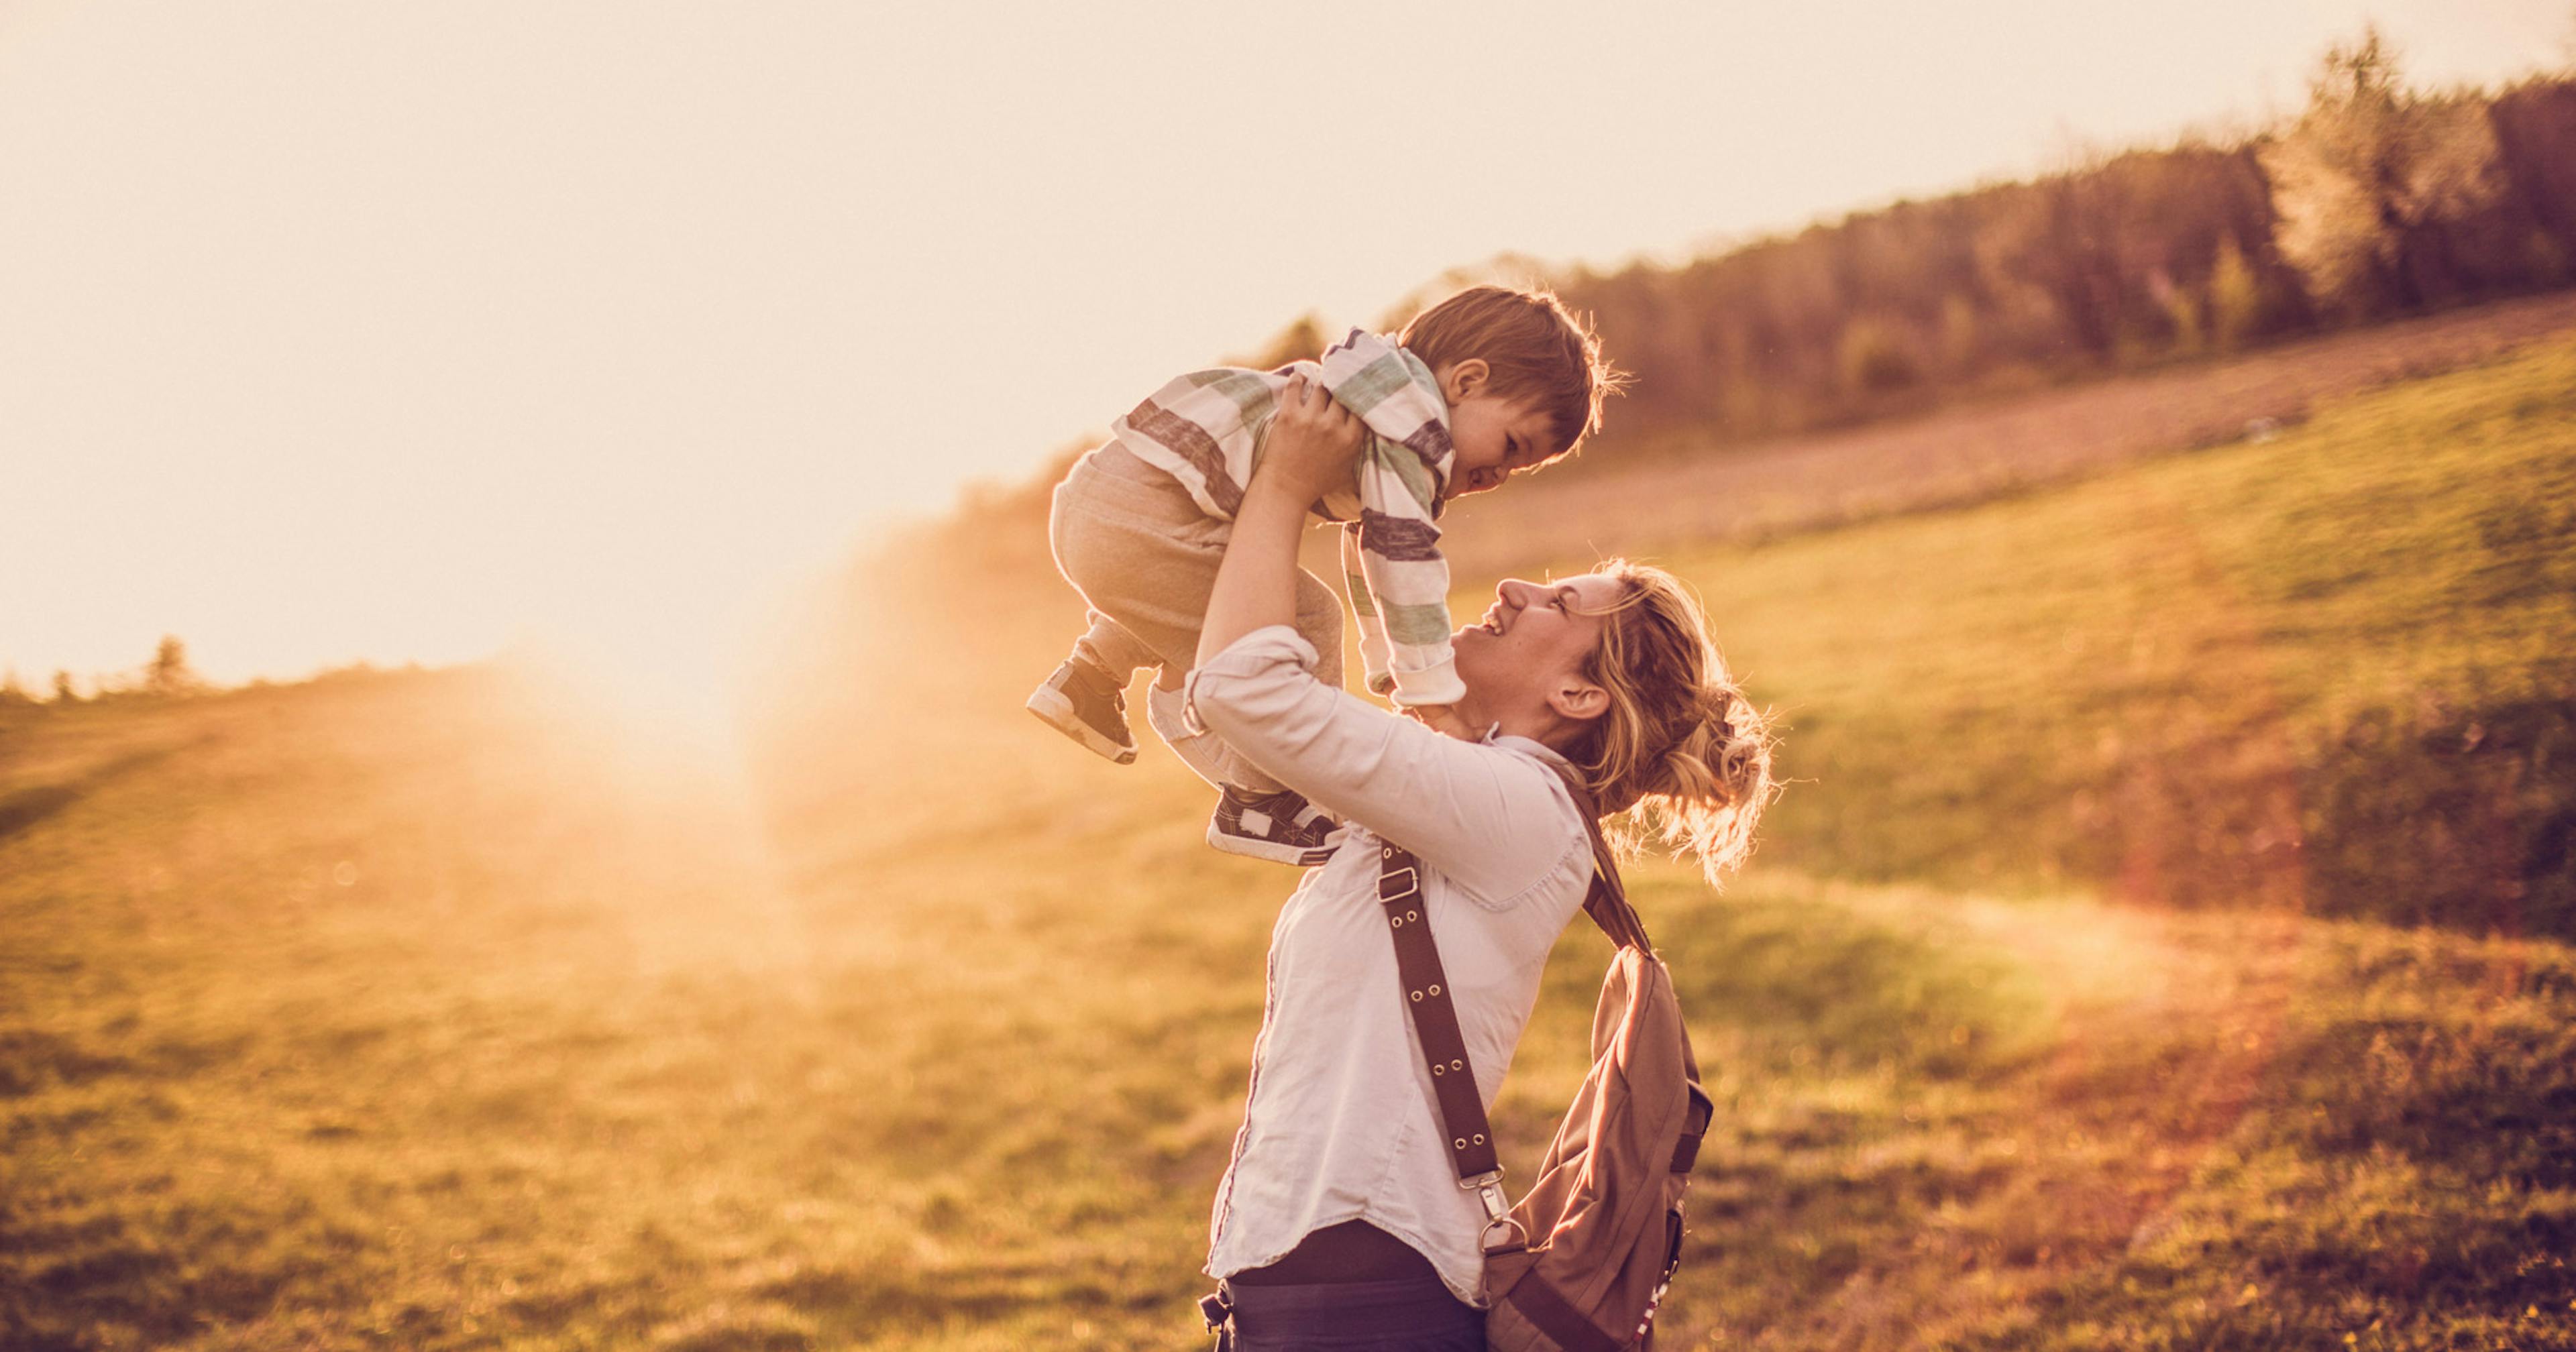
{"x": 1311, "y": 442}
{"x": 1308, "y": 448}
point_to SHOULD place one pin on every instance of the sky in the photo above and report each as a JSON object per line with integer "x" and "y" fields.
{"x": 406, "y": 332}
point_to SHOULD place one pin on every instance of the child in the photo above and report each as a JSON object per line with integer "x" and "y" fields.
{"x": 1486, "y": 383}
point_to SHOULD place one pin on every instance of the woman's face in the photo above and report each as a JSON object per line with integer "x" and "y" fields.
{"x": 1532, "y": 642}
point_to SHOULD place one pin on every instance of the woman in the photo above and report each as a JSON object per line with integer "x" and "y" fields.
{"x": 1340, "y": 1222}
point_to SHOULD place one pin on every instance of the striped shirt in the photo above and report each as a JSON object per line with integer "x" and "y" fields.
{"x": 1206, "y": 430}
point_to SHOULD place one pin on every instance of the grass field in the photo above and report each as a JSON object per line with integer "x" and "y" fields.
{"x": 2165, "y": 944}
{"x": 2335, "y": 671}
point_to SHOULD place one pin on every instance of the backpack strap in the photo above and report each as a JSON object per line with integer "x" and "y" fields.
{"x": 1435, "y": 1018}
{"x": 1607, "y": 901}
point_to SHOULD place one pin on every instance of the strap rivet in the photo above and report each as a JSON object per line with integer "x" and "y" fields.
{"x": 1435, "y": 988}
{"x": 1457, "y": 1065}
{"x": 1439, "y": 1070}
{"x": 1460, "y": 1143}
{"x": 1386, "y": 853}
{"x": 1410, "y": 914}
{"x": 1417, "y": 997}
{"x": 1480, "y": 1138}
{"x": 1397, "y": 922}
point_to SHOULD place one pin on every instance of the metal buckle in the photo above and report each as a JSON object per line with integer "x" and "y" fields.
{"x": 1488, "y": 1188}
{"x": 1412, "y": 884}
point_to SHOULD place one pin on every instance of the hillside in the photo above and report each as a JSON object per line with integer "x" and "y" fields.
{"x": 2164, "y": 944}
{"x": 1690, "y": 493}
{"x": 2185, "y": 672}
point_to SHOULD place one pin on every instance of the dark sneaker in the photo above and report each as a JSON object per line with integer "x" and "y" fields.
{"x": 1281, "y": 827}
{"x": 1084, "y": 703}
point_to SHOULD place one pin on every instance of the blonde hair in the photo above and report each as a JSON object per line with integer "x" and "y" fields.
{"x": 1682, "y": 756}
{"x": 1535, "y": 350}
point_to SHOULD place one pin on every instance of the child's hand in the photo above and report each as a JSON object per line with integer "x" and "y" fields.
{"x": 1311, "y": 442}
{"x": 1442, "y": 718}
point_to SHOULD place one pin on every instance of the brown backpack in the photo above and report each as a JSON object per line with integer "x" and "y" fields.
{"x": 1581, "y": 1262}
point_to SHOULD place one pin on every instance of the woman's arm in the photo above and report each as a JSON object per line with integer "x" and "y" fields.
{"x": 1492, "y": 820}
{"x": 1312, "y": 441}
{"x": 1313, "y": 444}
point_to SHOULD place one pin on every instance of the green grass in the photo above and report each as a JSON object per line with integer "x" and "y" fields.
{"x": 423, "y": 1012}
{"x": 2335, "y": 671}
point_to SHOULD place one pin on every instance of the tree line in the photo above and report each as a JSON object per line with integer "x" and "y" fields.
{"x": 166, "y": 675}
{"x": 2376, "y": 200}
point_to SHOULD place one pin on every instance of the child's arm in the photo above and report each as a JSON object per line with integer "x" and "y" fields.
{"x": 1399, "y": 582}
{"x": 1467, "y": 810}
{"x": 1404, "y": 622}
{"x": 1373, "y": 646}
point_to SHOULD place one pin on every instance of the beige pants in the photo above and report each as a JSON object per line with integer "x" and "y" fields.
{"x": 1144, "y": 556}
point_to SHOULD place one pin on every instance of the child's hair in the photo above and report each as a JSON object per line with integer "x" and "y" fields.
{"x": 1536, "y": 350}
{"x": 1680, "y": 744}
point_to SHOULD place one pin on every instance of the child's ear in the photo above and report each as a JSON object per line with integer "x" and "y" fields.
{"x": 1466, "y": 379}
{"x": 1578, "y": 700}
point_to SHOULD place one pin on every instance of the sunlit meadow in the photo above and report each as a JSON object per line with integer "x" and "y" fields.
{"x": 2145, "y": 955}
{"x": 2159, "y": 546}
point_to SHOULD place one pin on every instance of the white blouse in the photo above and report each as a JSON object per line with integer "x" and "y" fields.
{"x": 1340, "y": 1122}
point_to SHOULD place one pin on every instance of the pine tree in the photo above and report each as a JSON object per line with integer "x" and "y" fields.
{"x": 169, "y": 673}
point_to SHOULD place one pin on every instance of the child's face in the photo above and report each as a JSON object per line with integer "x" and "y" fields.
{"x": 1494, "y": 439}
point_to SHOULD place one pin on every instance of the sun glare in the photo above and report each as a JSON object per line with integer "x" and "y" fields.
{"x": 667, "y": 681}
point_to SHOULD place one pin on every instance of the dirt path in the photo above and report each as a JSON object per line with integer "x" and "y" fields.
{"x": 1970, "y": 453}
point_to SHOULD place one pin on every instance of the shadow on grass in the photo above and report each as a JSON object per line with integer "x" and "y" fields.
{"x": 2463, "y": 821}
{"x": 1929, "y": 1138}
{"x": 2459, "y": 817}
{"x": 95, "y": 1280}
{"x": 2400, "y": 1179}
{"x": 23, "y": 810}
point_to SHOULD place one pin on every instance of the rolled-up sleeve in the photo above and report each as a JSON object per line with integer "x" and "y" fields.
{"x": 1493, "y": 820}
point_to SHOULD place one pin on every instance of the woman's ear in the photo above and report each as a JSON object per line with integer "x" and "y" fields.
{"x": 1465, "y": 380}
{"x": 1577, "y": 700}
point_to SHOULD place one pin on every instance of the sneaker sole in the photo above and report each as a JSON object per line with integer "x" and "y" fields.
{"x": 1262, "y": 849}
{"x": 1056, "y": 712}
